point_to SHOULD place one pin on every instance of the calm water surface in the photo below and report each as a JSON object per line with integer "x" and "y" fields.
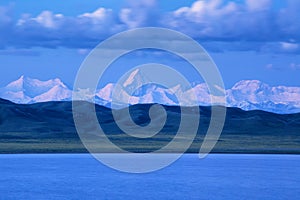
{"x": 80, "y": 176}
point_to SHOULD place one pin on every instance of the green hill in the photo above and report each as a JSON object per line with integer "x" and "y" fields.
{"x": 49, "y": 128}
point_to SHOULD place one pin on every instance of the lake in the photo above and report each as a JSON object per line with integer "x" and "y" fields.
{"x": 219, "y": 176}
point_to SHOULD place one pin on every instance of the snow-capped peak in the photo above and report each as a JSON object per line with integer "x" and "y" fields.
{"x": 246, "y": 94}
{"x": 57, "y": 93}
{"x": 24, "y": 81}
{"x": 26, "y": 89}
{"x": 134, "y": 76}
{"x": 250, "y": 85}
{"x": 135, "y": 80}
{"x": 17, "y": 84}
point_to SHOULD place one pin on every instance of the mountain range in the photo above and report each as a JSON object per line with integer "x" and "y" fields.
{"x": 246, "y": 94}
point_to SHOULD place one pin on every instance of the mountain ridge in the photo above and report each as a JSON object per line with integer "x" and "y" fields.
{"x": 48, "y": 127}
{"x": 245, "y": 94}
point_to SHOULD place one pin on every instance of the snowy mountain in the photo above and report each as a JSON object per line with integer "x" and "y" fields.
{"x": 256, "y": 95}
{"x": 246, "y": 94}
{"x": 27, "y": 90}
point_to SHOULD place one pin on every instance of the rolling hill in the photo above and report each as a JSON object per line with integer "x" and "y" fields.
{"x": 49, "y": 127}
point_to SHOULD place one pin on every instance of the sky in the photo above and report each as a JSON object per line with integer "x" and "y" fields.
{"x": 247, "y": 39}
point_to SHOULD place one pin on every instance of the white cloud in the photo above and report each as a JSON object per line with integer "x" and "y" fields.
{"x": 82, "y": 31}
{"x": 289, "y": 46}
{"x": 45, "y": 19}
{"x": 101, "y": 15}
{"x": 258, "y": 5}
{"x": 288, "y": 20}
{"x": 49, "y": 20}
{"x": 83, "y": 51}
{"x": 127, "y": 16}
{"x": 203, "y": 11}
{"x": 207, "y": 19}
{"x": 220, "y": 24}
{"x": 250, "y": 21}
{"x": 139, "y": 13}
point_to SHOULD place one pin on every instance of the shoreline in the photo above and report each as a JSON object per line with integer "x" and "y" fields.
{"x": 215, "y": 153}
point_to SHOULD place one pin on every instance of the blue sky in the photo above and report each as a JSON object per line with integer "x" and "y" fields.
{"x": 248, "y": 39}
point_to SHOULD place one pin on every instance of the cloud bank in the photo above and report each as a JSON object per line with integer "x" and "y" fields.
{"x": 219, "y": 25}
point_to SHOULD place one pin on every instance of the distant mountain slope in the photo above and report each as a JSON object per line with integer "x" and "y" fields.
{"x": 49, "y": 127}
{"x": 256, "y": 95}
{"x": 246, "y": 94}
{"x": 27, "y": 90}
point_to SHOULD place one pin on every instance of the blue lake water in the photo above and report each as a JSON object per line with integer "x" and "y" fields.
{"x": 80, "y": 176}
